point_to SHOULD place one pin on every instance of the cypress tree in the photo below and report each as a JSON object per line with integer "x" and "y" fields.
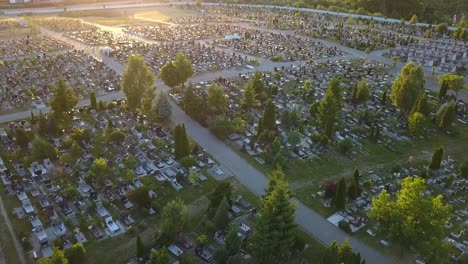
{"x": 177, "y": 149}
{"x": 269, "y": 116}
{"x": 436, "y": 158}
{"x": 92, "y": 99}
{"x": 339, "y": 202}
{"x": 221, "y": 218}
{"x": 185, "y": 143}
{"x": 383, "y": 100}
{"x": 443, "y": 89}
{"x": 33, "y": 118}
{"x": 260, "y": 127}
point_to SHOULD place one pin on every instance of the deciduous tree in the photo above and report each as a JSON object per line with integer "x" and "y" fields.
{"x": 407, "y": 86}
{"x": 160, "y": 256}
{"x": 414, "y": 220}
{"x": 137, "y": 79}
{"x": 216, "y": 99}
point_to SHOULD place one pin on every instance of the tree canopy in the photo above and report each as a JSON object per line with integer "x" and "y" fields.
{"x": 63, "y": 99}
{"x": 415, "y": 220}
{"x": 406, "y": 88}
{"x": 136, "y": 80}
{"x": 274, "y": 236}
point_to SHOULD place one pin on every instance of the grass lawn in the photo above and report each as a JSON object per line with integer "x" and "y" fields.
{"x": 6, "y": 243}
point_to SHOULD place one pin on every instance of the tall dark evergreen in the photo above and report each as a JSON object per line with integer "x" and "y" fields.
{"x": 269, "y": 116}
{"x": 92, "y": 100}
{"x": 140, "y": 248}
{"x": 443, "y": 89}
{"x": 436, "y": 158}
{"x": 339, "y": 202}
{"x": 181, "y": 144}
{"x": 274, "y": 237}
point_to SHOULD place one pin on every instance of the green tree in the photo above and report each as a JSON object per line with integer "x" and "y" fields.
{"x": 160, "y": 256}
{"x": 436, "y": 158}
{"x": 331, "y": 254}
{"x": 383, "y": 100}
{"x": 147, "y": 101}
{"x": 63, "y": 99}
{"x": 76, "y": 254}
{"x": 168, "y": 74}
{"x": 42, "y": 149}
{"x": 441, "y": 28}
{"x": 339, "y": 202}
{"x": 260, "y": 128}
{"x": 327, "y": 114}
{"x": 421, "y": 105}
{"x": 443, "y": 89}
{"x": 446, "y": 115}
{"x": 414, "y": 220}
{"x": 181, "y": 142}
{"x": 92, "y": 100}
{"x": 222, "y": 189}
{"x": 294, "y": 138}
{"x": 58, "y": 257}
{"x": 216, "y": 99}
{"x": 269, "y": 116}
{"x": 117, "y": 137}
{"x": 417, "y": 124}
{"x": 454, "y": 82}
{"x": 163, "y": 106}
{"x": 414, "y": 19}
{"x": 174, "y": 217}
{"x": 221, "y": 217}
{"x": 139, "y": 196}
{"x": 233, "y": 242}
{"x": 407, "y": 86}
{"x": 354, "y": 188}
{"x": 184, "y": 68}
{"x": 464, "y": 170}
{"x": 137, "y": 79}
{"x": 21, "y": 138}
{"x": 274, "y": 237}
{"x": 140, "y": 247}
{"x": 249, "y": 97}
{"x": 363, "y": 91}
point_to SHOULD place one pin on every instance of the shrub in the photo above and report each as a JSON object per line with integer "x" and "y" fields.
{"x": 344, "y": 226}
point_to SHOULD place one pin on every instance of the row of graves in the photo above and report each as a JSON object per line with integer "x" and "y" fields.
{"x": 27, "y": 82}
{"x": 293, "y": 104}
{"x": 65, "y": 199}
{"x": 445, "y": 181}
{"x": 30, "y": 45}
{"x": 202, "y": 19}
{"x": 184, "y": 32}
{"x": 98, "y": 37}
{"x": 445, "y": 55}
{"x": 356, "y": 32}
{"x": 278, "y": 47}
{"x": 63, "y": 24}
{"x": 241, "y": 215}
{"x": 204, "y": 58}
{"x": 358, "y": 37}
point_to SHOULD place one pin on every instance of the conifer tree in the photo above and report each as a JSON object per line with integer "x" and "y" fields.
{"x": 274, "y": 237}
